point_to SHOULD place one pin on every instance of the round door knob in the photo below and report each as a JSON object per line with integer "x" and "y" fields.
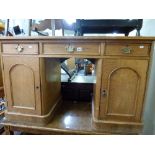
{"x": 104, "y": 93}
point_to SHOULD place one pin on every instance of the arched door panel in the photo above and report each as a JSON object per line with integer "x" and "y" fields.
{"x": 22, "y": 84}
{"x": 123, "y": 89}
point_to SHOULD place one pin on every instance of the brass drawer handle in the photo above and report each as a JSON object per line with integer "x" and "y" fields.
{"x": 70, "y": 48}
{"x": 126, "y": 50}
{"x": 19, "y": 48}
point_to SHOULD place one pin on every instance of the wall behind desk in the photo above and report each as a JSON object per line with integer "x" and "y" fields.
{"x": 149, "y": 110}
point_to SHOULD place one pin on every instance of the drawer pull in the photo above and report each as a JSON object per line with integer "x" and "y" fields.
{"x": 126, "y": 50}
{"x": 70, "y": 48}
{"x": 19, "y": 48}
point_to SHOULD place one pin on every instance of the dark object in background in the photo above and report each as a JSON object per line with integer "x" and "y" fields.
{"x": 2, "y": 104}
{"x": 9, "y": 33}
{"x": 17, "y": 30}
{"x": 2, "y": 109}
{"x": 84, "y": 64}
{"x": 70, "y": 73}
{"x": 76, "y": 91}
{"x": 124, "y": 26}
{"x": 88, "y": 69}
{"x": 39, "y": 32}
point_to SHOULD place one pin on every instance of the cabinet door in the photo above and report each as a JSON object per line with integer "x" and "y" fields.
{"x": 123, "y": 89}
{"x": 22, "y": 84}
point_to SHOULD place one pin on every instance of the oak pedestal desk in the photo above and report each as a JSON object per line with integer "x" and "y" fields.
{"x": 31, "y": 74}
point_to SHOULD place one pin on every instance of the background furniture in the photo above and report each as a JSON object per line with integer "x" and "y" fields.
{"x": 85, "y": 26}
{"x": 70, "y": 72}
{"x": 77, "y": 91}
{"x": 33, "y": 84}
{"x": 105, "y": 26}
{"x": 2, "y": 27}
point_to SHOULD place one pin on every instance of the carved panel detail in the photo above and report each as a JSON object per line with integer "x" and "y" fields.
{"x": 22, "y": 82}
{"x": 122, "y": 82}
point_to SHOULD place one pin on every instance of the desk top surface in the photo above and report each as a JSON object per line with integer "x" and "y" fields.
{"x": 76, "y": 38}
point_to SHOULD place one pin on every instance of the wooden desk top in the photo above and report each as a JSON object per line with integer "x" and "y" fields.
{"x": 77, "y": 38}
{"x": 97, "y": 49}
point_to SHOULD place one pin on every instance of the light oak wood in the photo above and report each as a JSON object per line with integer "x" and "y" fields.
{"x": 124, "y": 84}
{"x": 50, "y": 71}
{"x": 33, "y": 118}
{"x": 29, "y": 89}
{"x": 88, "y": 56}
{"x": 22, "y": 83}
{"x": 97, "y": 88}
{"x": 1, "y": 76}
{"x": 74, "y": 38}
{"x": 1, "y": 81}
{"x": 122, "y": 75}
{"x": 61, "y": 48}
{"x": 81, "y": 123}
{"x": 138, "y": 49}
{"x": 28, "y": 48}
{"x": 8, "y": 130}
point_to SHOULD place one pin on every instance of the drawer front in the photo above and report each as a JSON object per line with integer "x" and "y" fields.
{"x": 72, "y": 48}
{"x": 20, "y": 48}
{"x": 127, "y": 49}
